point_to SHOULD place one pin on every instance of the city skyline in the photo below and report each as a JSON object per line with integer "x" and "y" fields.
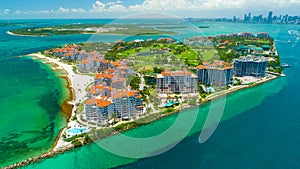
{"x": 117, "y": 8}
{"x": 268, "y": 17}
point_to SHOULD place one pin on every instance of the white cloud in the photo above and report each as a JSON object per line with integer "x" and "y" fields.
{"x": 196, "y": 5}
{"x": 61, "y": 9}
{"x": 220, "y": 4}
{"x": 41, "y": 11}
{"x": 177, "y": 7}
{"x": 166, "y": 5}
{"x": 77, "y": 10}
{"x": 98, "y": 6}
{"x": 51, "y": 11}
{"x": 72, "y": 10}
{"x": 117, "y": 8}
{"x": 20, "y": 12}
{"x": 6, "y": 11}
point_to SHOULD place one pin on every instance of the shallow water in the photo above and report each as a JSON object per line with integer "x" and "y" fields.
{"x": 261, "y": 121}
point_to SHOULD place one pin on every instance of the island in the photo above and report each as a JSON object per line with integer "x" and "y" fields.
{"x": 120, "y": 29}
{"x": 121, "y": 85}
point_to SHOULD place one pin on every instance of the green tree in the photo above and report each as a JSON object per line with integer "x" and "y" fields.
{"x": 135, "y": 81}
{"x": 158, "y": 69}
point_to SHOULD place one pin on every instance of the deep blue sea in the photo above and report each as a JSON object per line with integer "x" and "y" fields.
{"x": 260, "y": 127}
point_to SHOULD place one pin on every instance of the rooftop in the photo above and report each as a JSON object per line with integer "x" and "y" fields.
{"x": 216, "y": 64}
{"x": 251, "y": 58}
{"x": 120, "y": 94}
{"x": 263, "y": 33}
{"x": 100, "y": 101}
{"x": 105, "y": 75}
{"x": 166, "y": 72}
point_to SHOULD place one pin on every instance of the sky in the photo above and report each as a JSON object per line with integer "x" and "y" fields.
{"x": 33, "y": 9}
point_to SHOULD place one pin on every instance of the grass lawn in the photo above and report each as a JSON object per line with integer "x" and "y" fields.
{"x": 147, "y": 59}
{"x": 189, "y": 55}
{"x": 258, "y": 41}
{"x": 209, "y": 55}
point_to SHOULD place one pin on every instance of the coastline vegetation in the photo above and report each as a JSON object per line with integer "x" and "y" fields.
{"x": 47, "y": 32}
{"x": 153, "y": 53}
{"x": 171, "y": 27}
{"x": 167, "y": 55}
{"x": 275, "y": 66}
{"x": 89, "y": 29}
{"x": 228, "y": 49}
{"x": 97, "y": 134}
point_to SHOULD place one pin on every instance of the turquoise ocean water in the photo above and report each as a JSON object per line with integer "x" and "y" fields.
{"x": 260, "y": 127}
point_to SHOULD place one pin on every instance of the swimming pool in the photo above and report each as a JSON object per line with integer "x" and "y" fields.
{"x": 74, "y": 131}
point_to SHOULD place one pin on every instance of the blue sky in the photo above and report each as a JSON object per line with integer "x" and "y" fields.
{"x": 54, "y": 4}
{"x": 120, "y": 8}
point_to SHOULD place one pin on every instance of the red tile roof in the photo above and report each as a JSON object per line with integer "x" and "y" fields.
{"x": 217, "y": 64}
{"x": 121, "y": 94}
{"x": 176, "y": 73}
{"x": 103, "y": 101}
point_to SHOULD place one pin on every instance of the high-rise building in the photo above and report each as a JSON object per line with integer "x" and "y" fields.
{"x": 246, "y": 34}
{"x": 250, "y": 66}
{"x": 286, "y": 18}
{"x": 109, "y": 96}
{"x": 263, "y": 35}
{"x": 217, "y": 73}
{"x": 245, "y": 18}
{"x": 249, "y": 16}
{"x": 260, "y": 18}
{"x": 182, "y": 82}
{"x": 270, "y": 17}
{"x": 234, "y": 19}
{"x": 127, "y": 104}
{"x": 99, "y": 109}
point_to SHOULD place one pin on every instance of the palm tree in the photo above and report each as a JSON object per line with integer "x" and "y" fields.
{"x": 176, "y": 98}
{"x": 168, "y": 97}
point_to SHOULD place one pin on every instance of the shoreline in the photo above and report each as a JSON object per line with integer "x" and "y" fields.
{"x": 110, "y": 34}
{"x": 77, "y": 96}
{"x": 66, "y": 106}
{"x": 13, "y": 34}
{"x": 77, "y": 93}
{"x": 238, "y": 88}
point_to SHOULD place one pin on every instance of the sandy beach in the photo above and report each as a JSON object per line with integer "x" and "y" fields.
{"x": 13, "y": 34}
{"x": 78, "y": 83}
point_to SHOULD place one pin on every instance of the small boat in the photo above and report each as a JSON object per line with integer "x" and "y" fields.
{"x": 203, "y": 26}
{"x": 285, "y": 65}
{"x": 289, "y": 41}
